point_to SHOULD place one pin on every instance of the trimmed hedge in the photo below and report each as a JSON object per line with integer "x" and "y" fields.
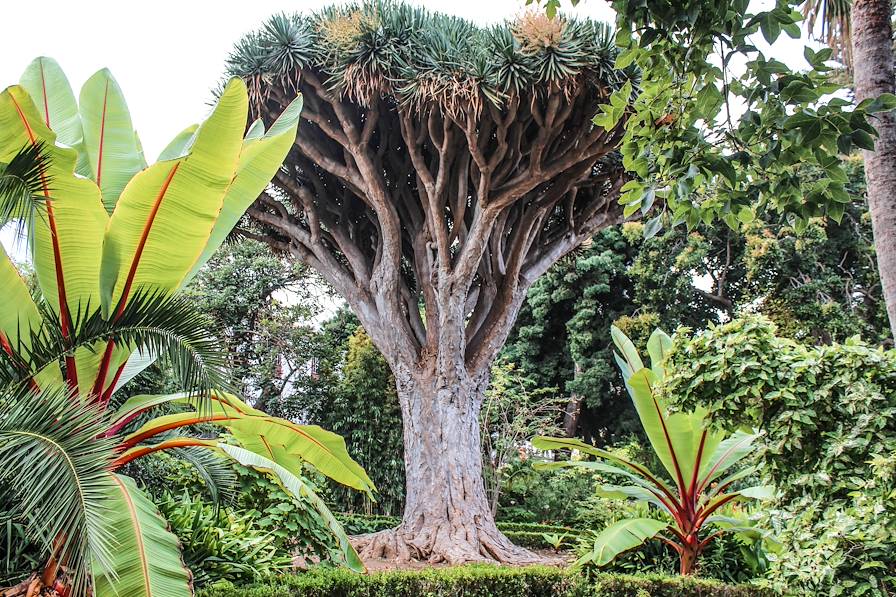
{"x": 525, "y": 534}
{"x": 479, "y": 581}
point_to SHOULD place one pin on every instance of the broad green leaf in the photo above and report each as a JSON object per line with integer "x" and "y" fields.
{"x": 109, "y": 138}
{"x": 658, "y": 347}
{"x": 173, "y": 199}
{"x": 51, "y": 92}
{"x": 68, "y": 232}
{"x": 286, "y": 443}
{"x": 146, "y": 561}
{"x": 179, "y": 146}
{"x": 294, "y": 484}
{"x": 629, "y": 354}
{"x": 626, "y": 492}
{"x": 623, "y": 536}
{"x": 260, "y": 157}
{"x": 19, "y": 317}
{"x": 728, "y": 453}
{"x": 136, "y": 363}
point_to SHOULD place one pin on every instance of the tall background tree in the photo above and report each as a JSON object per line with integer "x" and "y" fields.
{"x": 861, "y": 31}
{"x": 441, "y": 170}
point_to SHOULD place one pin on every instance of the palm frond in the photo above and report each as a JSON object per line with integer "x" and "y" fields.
{"x": 833, "y": 16}
{"x": 57, "y": 468}
{"x": 216, "y": 472}
{"x": 157, "y": 323}
{"x": 22, "y": 182}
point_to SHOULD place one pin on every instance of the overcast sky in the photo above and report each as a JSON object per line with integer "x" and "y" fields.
{"x": 167, "y": 55}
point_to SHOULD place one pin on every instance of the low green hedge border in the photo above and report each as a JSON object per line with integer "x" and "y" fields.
{"x": 478, "y": 581}
{"x": 526, "y": 534}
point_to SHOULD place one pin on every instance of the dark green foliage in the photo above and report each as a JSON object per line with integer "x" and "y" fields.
{"x": 829, "y": 419}
{"x": 559, "y": 341}
{"x": 354, "y": 395}
{"x": 818, "y": 284}
{"x": 19, "y": 554}
{"x": 480, "y": 581}
{"x": 269, "y": 340}
{"x": 218, "y": 544}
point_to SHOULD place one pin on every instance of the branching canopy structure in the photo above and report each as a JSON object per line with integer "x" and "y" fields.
{"x": 440, "y": 170}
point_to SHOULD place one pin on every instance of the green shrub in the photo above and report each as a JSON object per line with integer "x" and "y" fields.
{"x": 828, "y": 414}
{"x": 479, "y": 581}
{"x": 220, "y": 545}
{"x": 526, "y": 534}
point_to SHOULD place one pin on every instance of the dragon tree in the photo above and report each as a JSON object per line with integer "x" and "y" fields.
{"x": 441, "y": 168}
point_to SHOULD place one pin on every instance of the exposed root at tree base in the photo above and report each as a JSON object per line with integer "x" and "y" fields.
{"x": 445, "y": 544}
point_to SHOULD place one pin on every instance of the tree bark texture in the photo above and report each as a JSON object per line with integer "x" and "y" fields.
{"x": 872, "y": 40}
{"x": 433, "y": 223}
{"x": 447, "y": 517}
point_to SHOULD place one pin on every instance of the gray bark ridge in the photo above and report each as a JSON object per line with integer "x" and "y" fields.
{"x": 872, "y": 40}
{"x": 447, "y": 517}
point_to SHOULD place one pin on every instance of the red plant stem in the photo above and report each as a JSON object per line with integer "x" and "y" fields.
{"x": 99, "y": 385}
{"x": 71, "y": 372}
{"x": 136, "y": 439}
{"x": 184, "y": 442}
{"x": 107, "y": 395}
{"x": 141, "y": 244}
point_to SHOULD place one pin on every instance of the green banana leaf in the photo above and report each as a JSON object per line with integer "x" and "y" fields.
{"x": 623, "y": 536}
{"x": 138, "y": 252}
{"x": 110, "y": 142}
{"x": 295, "y": 485}
{"x": 146, "y": 561}
{"x": 45, "y": 82}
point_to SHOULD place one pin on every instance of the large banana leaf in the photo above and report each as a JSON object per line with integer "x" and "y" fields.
{"x": 559, "y": 443}
{"x": 728, "y": 453}
{"x": 677, "y": 439}
{"x": 295, "y": 485}
{"x": 67, "y": 239}
{"x": 19, "y": 317}
{"x": 20, "y": 320}
{"x": 109, "y": 140}
{"x": 636, "y": 492}
{"x": 623, "y": 536}
{"x": 187, "y": 196}
{"x": 259, "y": 159}
{"x": 48, "y": 86}
{"x": 146, "y": 561}
{"x": 284, "y": 442}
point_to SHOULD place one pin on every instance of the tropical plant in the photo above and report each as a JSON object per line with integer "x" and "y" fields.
{"x": 828, "y": 416}
{"x": 698, "y": 459}
{"x": 220, "y": 544}
{"x": 111, "y": 241}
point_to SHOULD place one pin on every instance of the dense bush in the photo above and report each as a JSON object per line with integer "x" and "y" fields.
{"x": 479, "y": 581}
{"x": 829, "y": 419}
{"x": 218, "y": 544}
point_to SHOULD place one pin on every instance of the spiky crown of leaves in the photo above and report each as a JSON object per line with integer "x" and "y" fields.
{"x": 381, "y": 48}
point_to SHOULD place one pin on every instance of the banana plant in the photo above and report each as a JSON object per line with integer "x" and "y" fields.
{"x": 700, "y": 468}
{"x": 111, "y": 241}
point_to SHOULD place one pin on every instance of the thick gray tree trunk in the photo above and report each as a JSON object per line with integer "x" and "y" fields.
{"x": 447, "y": 517}
{"x": 873, "y": 71}
{"x": 447, "y": 514}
